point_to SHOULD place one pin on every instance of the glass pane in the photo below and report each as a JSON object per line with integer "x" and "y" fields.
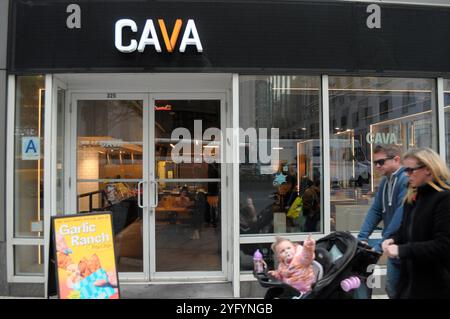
{"x": 109, "y": 140}
{"x": 447, "y": 117}
{"x": 29, "y": 260}
{"x": 280, "y": 191}
{"x": 29, "y": 156}
{"x": 100, "y": 195}
{"x": 188, "y": 228}
{"x": 109, "y": 167}
{"x": 60, "y": 149}
{"x": 365, "y": 112}
{"x": 246, "y": 255}
{"x": 187, "y": 139}
{"x": 119, "y": 198}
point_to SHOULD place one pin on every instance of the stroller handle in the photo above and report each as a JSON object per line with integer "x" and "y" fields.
{"x": 370, "y": 249}
{"x": 266, "y": 280}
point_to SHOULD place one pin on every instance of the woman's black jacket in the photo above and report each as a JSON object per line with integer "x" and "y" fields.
{"x": 424, "y": 245}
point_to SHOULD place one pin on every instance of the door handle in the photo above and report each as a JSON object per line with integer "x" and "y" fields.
{"x": 139, "y": 194}
{"x": 155, "y": 194}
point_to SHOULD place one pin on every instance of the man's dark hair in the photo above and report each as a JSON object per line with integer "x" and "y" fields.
{"x": 390, "y": 150}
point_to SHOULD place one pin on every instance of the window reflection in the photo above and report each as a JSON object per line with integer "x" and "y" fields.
{"x": 364, "y": 112}
{"x": 281, "y": 196}
{"x": 187, "y": 217}
{"x": 109, "y": 139}
{"x": 188, "y": 228}
{"x": 197, "y": 148}
{"x": 29, "y": 127}
{"x": 28, "y": 260}
{"x": 109, "y": 167}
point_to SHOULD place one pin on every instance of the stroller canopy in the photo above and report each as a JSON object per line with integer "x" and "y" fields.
{"x": 341, "y": 255}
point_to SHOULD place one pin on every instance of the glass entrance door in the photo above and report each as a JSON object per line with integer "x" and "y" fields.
{"x": 186, "y": 185}
{"x": 153, "y": 161}
{"x": 109, "y": 169}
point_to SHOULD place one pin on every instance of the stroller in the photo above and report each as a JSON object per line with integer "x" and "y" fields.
{"x": 338, "y": 256}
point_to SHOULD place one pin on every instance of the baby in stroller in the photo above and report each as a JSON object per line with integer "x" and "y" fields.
{"x": 295, "y": 263}
{"x": 341, "y": 263}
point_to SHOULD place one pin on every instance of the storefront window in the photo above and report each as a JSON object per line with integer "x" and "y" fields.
{"x": 29, "y": 156}
{"x": 447, "y": 117}
{"x": 364, "y": 112}
{"x": 281, "y": 162}
{"x": 28, "y": 260}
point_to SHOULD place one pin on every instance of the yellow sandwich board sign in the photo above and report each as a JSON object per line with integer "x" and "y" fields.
{"x": 84, "y": 256}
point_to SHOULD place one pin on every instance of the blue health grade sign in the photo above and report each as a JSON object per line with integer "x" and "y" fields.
{"x": 31, "y": 148}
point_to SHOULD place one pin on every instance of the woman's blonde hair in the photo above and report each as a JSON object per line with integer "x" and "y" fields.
{"x": 430, "y": 159}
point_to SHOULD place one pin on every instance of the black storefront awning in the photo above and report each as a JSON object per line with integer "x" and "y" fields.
{"x": 235, "y": 36}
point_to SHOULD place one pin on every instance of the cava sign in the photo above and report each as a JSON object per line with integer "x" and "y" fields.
{"x": 149, "y": 36}
{"x": 381, "y": 138}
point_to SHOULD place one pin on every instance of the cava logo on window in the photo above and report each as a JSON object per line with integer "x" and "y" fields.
{"x": 149, "y": 36}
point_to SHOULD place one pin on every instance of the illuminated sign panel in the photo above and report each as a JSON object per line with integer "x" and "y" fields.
{"x": 149, "y": 36}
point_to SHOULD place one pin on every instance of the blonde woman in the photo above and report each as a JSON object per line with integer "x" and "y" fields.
{"x": 422, "y": 242}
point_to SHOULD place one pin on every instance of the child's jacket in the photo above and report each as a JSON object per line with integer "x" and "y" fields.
{"x": 299, "y": 273}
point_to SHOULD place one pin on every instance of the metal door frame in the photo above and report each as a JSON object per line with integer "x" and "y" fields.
{"x": 189, "y": 275}
{"x": 72, "y": 183}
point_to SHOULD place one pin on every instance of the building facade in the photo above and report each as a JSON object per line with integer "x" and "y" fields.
{"x": 201, "y": 124}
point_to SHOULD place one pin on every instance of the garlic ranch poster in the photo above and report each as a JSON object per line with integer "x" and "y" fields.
{"x": 85, "y": 259}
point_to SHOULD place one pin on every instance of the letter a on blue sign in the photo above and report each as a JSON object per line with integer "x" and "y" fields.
{"x": 31, "y": 148}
